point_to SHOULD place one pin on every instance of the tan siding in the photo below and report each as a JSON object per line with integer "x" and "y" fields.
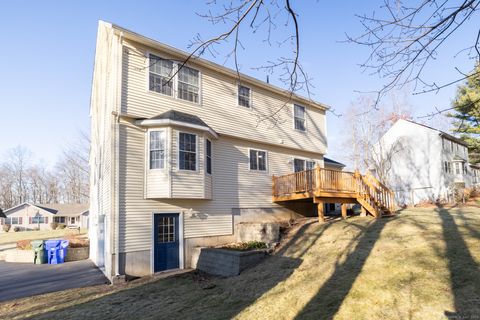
{"x": 187, "y": 184}
{"x": 219, "y": 107}
{"x": 234, "y": 186}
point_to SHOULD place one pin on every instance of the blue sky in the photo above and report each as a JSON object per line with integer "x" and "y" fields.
{"x": 46, "y": 61}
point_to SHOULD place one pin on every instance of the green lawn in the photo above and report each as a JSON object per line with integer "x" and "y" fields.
{"x": 421, "y": 264}
{"x": 8, "y": 237}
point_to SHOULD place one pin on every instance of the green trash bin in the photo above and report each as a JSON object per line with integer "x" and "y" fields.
{"x": 38, "y": 247}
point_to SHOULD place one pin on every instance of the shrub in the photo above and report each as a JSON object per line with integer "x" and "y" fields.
{"x": 246, "y": 246}
{"x": 53, "y": 225}
{"x": 24, "y": 245}
{"x": 61, "y": 226}
{"x": 7, "y": 227}
{"x": 16, "y": 229}
{"x": 77, "y": 242}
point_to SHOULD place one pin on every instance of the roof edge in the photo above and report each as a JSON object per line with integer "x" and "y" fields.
{"x": 128, "y": 34}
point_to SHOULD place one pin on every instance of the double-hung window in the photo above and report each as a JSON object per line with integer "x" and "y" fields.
{"x": 157, "y": 149}
{"x": 161, "y": 72}
{"x": 208, "y": 152}
{"x": 244, "y": 96}
{"x": 164, "y": 73}
{"x": 12, "y": 220}
{"x": 258, "y": 160}
{"x": 188, "y": 84}
{"x": 38, "y": 220}
{"x": 301, "y": 165}
{"x": 299, "y": 117}
{"x": 187, "y": 151}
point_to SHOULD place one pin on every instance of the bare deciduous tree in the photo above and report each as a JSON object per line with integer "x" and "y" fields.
{"x": 21, "y": 181}
{"x": 404, "y": 38}
{"x": 366, "y": 127}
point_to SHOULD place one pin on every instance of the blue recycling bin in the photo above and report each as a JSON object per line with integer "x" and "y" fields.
{"x": 53, "y": 251}
{"x": 63, "y": 250}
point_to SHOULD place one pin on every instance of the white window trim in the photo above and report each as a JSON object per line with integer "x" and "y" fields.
{"x": 196, "y": 152}
{"x": 293, "y": 117}
{"x": 250, "y": 96}
{"x": 174, "y": 80}
{"x": 267, "y": 167}
{"x": 304, "y": 159}
{"x": 148, "y": 150}
{"x": 211, "y": 157}
{"x": 181, "y": 254}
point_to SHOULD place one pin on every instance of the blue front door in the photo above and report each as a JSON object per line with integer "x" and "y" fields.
{"x": 166, "y": 242}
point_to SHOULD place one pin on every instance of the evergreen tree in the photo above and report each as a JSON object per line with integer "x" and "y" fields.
{"x": 467, "y": 114}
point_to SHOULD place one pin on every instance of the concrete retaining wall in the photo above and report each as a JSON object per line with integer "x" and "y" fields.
{"x": 227, "y": 263}
{"x": 251, "y": 231}
{"x": 75, "y": 254}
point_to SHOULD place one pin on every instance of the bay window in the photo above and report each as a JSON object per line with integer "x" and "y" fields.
{"x": 157, "y": 149}
{"x": 208, "y": 152}
{"x": 187, "y": 151}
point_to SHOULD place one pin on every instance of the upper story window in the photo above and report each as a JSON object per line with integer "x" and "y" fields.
{"x": 299, "y": 117}
{"x": 446, "y": 166}
{"x": 161, "y": 71}
{"x": 164, "y": 79}
{"x": 157, "y": 149}
{"x": 258, "y": 160}
{"x": 208, "y": 152}
{"x": 187, "y": 151}
{"x": 188, "y": 84}
{"x": 244, "y": 98}
{"x": 451, "y": 146}
{"x": 457, "y": 168}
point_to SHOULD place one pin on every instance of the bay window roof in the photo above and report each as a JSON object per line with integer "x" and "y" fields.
{"x": 182, "y": 119}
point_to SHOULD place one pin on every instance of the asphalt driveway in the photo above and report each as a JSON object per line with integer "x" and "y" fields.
{"x": 18, "y": 280}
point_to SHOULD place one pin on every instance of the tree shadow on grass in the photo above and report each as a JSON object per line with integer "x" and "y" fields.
{"x": 195, "y": 295}
{"x": 464, "y": 271}
{"x": 331, "y": 295}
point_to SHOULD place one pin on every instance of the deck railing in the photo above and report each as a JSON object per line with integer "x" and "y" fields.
{"x": 333, "y": 181}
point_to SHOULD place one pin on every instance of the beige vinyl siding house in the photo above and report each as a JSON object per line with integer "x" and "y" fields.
{"x": 29, "y": 216}
{"x": 188, "y": 159}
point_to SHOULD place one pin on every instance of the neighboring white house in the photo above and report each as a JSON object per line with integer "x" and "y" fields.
{"x": 420, "y": 163}
{"x": 180, "y": 155}
{"x": 29, "y": 216}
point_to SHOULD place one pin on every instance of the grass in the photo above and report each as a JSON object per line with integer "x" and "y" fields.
{"x": 421, "y": 264}
{"x": 11, "y": 236}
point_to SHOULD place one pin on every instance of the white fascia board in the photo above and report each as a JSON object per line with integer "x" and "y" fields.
{"x": 168, "y": 122}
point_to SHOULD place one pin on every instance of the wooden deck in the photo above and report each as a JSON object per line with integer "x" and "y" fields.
{"x": 333, "y": 186}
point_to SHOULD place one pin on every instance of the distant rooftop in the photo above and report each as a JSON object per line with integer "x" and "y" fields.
{"x": 333, "y": 162}
{"x": 443, "y": 134}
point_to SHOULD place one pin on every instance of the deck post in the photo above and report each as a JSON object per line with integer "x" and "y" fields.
{"x": 344, "y": 211}
{"x": 364, "y": 212}
{"x": 320, "y": 209}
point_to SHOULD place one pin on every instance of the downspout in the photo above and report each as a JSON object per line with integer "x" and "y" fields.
{"x": 118, "y": 101}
